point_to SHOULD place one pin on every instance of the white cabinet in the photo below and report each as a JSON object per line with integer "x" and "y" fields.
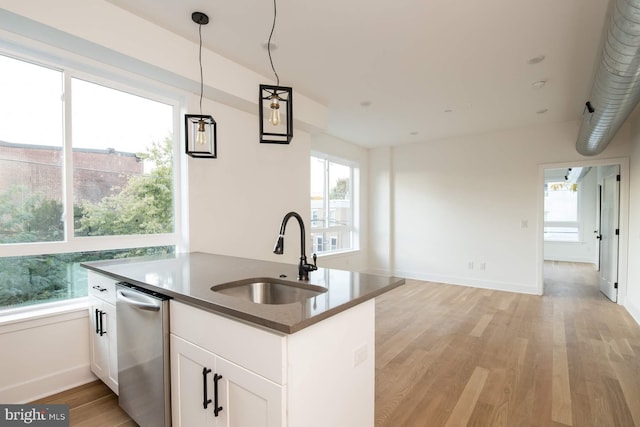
{"x": 202, "y": 381}
{"x": 103, "y": 339}
{"x": 320, "y": 376}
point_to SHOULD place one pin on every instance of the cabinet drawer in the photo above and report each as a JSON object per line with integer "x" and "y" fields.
{"x": 102, "y": 287}
{"x": 255, "y": 349}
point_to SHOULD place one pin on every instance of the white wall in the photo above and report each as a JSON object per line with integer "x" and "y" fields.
{"x": 238, "y": 200}
{"x": 381, "y": 180}
{"x": 632, "y": 302}
{"x": 585, "y": 249}
{"x": 465, "y": 200}
{"x": 43, "y": 356}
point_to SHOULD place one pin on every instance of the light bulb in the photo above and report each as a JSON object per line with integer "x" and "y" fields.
{"x": 274, "y": 119}
{"x": 201, "y": 134}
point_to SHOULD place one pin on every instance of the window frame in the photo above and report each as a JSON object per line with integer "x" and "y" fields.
{"x": 73, "y": 66}
{"x": 354, "y": 181}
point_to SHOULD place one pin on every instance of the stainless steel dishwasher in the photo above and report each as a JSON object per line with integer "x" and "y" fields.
{"x": 143, "y": 355}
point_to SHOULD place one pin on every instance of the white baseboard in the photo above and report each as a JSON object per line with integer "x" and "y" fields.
{"x": 378, "y": 271}
{"x": 633, "y": 309}
{"x": 473, "y": 283}
{"x": 37, "y": 388}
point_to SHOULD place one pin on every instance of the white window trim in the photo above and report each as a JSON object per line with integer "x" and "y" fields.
{"x": 16, "y": 319}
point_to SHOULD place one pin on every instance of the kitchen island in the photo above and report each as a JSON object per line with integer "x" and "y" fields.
{"x": 306, "y": 363}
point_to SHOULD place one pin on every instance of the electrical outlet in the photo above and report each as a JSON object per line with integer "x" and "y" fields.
{"x": 524, "y": 223}
{"x": 360, "y": 355}
{"x": 483, "y": 266}
{"x": 470, "y": 265}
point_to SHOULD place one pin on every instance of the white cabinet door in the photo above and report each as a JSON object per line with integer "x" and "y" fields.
{"x": 99, "y": 343}
{"x": 103, "y": 342}
{"x": 248, "y": 399}
{"x": 109, "y": 329}
{"x": 244, "y": 399}
{"x": 192, "y": 370}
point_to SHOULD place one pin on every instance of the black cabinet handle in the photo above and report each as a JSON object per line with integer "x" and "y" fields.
{"x": 216, "y": 408}
{"x": 205, "y": 397}
{"x": 97, "y": 322}
{"x": 102, "y": 331}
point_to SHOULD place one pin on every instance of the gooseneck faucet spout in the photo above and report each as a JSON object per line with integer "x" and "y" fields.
{"x": 303, "y": 266}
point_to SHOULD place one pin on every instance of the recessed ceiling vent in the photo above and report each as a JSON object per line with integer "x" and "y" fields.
{"x": 616, "y": 87}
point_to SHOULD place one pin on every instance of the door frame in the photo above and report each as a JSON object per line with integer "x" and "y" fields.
{"x": 623, "y": 244}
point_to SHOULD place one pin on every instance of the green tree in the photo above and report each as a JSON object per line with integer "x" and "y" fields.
{"x": 144, "y": 206}
{"x": 340, "y": 190}
{"x": 29, "y": 219}
{"x": 27, "y": 279}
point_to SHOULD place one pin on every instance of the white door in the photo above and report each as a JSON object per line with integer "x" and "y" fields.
{"x": 609, "y": 234}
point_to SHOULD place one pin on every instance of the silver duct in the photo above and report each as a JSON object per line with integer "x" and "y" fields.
{"x": 616, "y": 87}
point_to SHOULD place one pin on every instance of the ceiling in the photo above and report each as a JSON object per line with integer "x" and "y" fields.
{"x": 424, "y": 69}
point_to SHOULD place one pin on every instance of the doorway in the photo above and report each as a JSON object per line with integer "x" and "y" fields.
{"x": 583, "y": 219}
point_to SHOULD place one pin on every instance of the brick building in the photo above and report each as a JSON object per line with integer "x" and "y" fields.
{"x": 38, "y": 169}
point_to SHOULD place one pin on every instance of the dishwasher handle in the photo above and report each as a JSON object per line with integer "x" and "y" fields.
{"x": 139, "y": 301}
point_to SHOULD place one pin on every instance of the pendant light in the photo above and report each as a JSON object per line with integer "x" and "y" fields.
{"x": 275, "y": 105}
{"x": 200, "y": 129}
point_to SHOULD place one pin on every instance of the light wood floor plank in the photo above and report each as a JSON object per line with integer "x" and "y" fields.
{"x": 467, "y": 401}
{"x": 481, "y": 325}
{"x": 629, "y": 380}
{"x": 560, "y": 388}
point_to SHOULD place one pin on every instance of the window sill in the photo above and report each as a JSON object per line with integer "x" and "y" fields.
{"x": 339, "y": 254}
{"x": 38, "y": 316}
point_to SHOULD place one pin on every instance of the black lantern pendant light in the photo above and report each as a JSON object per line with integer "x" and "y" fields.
{"x": 200, "y": 129}
{"x": 275, "y": 105}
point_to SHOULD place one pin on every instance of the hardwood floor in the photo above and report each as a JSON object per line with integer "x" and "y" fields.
{"x": 451, "y": 356}
{"x": 91, "y": 405}
{"x": 454, "y": 356}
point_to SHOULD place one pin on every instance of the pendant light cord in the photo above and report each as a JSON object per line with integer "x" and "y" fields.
{"x": 273, "y": 26}
{"x": 200, "y": 62}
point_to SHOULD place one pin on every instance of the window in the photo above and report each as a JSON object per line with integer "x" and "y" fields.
{"x": 332, "y": 205}
{"x": 80, "y": 161}
{"x": 561, "y": 212}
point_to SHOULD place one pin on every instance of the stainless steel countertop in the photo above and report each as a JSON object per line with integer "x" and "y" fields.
{"x": 189, "y": 277}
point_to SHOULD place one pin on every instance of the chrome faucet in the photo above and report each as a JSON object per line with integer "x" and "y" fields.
{"x": 303, "y": 266}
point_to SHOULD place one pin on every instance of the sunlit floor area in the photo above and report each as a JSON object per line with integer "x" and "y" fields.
{"x": 454, "y": 356}
{"x": 450, "y": 355}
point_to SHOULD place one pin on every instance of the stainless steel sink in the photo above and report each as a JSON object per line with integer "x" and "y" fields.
{"x": 269, "y": 290}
